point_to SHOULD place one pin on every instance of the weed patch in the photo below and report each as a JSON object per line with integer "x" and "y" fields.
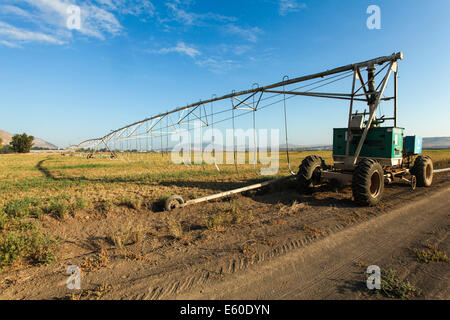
{"x": 58, "y": 207}
{"x": 131, "y": 202}
{"x": 313, "y": 231}
{"x": 32, "y": 245}
{"x": 106, "y": 206}
{"x": 97, "y": 262}
{"x": 81, "y": 204}
{"x": 175, "y": 228}
{"x": 22, "y": 208}
{"x": 228, "y": 214}
{"x": 126, "y": 236}
{"x": 91, "y": 294}
{"x": 393, "y": 287}
{"x": 430, "y": 254}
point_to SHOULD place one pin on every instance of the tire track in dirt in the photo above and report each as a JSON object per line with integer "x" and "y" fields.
{"x": 212, "y": 272}
{"x": 167, "y": 283}
{"x": 329, "y": 260}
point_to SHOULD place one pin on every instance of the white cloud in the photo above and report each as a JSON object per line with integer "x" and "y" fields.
{"x": 48, "y": 18}
{"x": 8, "y": 44}
{"x": 9, "y": 9}
{"x": 233, "y": 49}
{"x": 288, "y": 6}
{"x": 12, "y": 33}
{"x": 129, "y": 7}
{"x": 217, "y": 58}
{"x": 191, "y": 18}
{"x": 97, "y": 21}
{"x": 250, "y": 34}
{"x": 182, "y": 48}
{"x": 214, "y": 63}
{"x": 45, "y": 21}
{"x": 217, "y": 64}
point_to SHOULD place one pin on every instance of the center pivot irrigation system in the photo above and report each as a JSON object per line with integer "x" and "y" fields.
{"x": 366, "y": 153}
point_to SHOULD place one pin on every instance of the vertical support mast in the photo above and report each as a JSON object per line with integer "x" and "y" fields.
{"x": 349, "y": 134}
{"x": 371, "y": 86}
{"x": 373, "y": 107}
{"x": 395, "y": 94}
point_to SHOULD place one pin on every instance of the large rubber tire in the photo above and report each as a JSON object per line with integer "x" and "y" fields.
{"x": 423, "y": 170}
{"x": 309, "y": 172}
{"x": 173, "y": 202}
{"x": 368, "y": 182}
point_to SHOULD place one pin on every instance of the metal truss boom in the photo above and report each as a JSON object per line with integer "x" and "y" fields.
{"x": 377, "y": 61}
{"x": 154, "y": 124}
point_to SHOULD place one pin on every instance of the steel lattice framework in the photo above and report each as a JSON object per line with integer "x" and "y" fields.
{"x": 147, "y": 134}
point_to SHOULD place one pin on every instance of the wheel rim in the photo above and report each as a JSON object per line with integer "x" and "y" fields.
{"x": 375, "y": 184}
{"x": 174, "y": 204}
{"x": 316, "y": 176}
{"x": 413, "y": 182}
{"x": 428, "y": 172}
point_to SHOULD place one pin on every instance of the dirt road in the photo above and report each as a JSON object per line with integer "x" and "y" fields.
{"x": 329, "y": 268}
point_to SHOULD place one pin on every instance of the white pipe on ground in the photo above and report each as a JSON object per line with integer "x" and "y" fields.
{"x": 441, "y": 170}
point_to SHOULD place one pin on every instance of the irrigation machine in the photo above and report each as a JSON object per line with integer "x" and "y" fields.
{"x": 371, "y": 152}
{"x": 368, "y": 154}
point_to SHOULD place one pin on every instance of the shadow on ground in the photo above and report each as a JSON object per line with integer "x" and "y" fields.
{"x": 283, "y": 192}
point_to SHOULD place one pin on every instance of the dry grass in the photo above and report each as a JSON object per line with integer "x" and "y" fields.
{"x": 131, "y": 202}
{"x": 431, "y": 253}
{"x": 174, "y": 227}
{"x": 51, "y": 176}
{"x": 134, "y": 256}
{"x": 100, "y": 180}
{"x": 228, "y": 214}
{"x": 97, "y": 262}
{"x": 313, "y": 231}
{"x": 278, "y": 222}
{"x": 361, "y": 264}
{"x": 247, "y": 248}
{"x": 91, "y": 294}
{"x": 218, "y": 222}
{"x": 350, "y": 218}
{"x": 293, "y": 209}
{"x": 394, "y": 287}
{"x": 22, "y": 241}
{"x": 441, "y": 158}
{"x": 126, "y": 235}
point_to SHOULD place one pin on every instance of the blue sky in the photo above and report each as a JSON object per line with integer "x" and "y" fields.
{"x": 134, "y": 59}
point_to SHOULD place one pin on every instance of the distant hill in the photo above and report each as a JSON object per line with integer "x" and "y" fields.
{"x": 436, "y": 143}
{"x": 304, "y": 148}
{"x": 39, "y": 143}
{"x": 428, "y": 143}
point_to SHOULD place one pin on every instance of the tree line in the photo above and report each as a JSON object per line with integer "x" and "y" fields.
{"x": 20, "y": 143}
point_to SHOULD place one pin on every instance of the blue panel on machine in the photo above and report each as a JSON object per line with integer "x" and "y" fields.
{"x": 413, "y": 144}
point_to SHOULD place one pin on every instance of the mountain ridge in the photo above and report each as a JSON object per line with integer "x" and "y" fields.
{"x": 37, "y": 143}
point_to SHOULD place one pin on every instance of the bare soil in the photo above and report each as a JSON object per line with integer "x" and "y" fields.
{"x": 271, "y": 244}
